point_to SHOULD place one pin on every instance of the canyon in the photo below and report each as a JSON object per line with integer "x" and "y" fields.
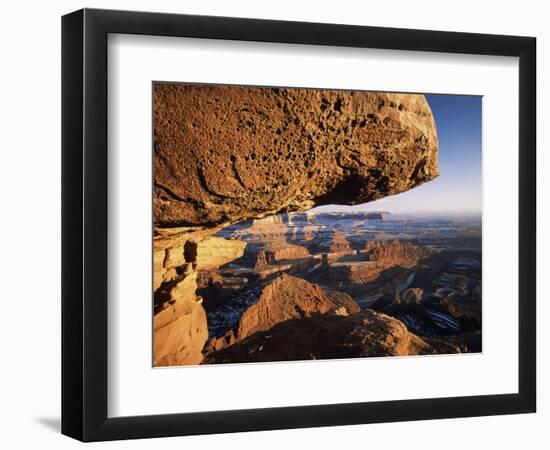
{"x": 426, "y": 295}
{"x": 245, "y": 272}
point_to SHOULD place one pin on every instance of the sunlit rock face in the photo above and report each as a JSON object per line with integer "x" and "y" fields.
{"x": 366, "y": 333}
{"x": 278, "y": 251}
{"x": 223, "y": 154}
{"x": 284, "y": 298}
{"x": 180, "y": 328}
{"x": 179, "y": 325}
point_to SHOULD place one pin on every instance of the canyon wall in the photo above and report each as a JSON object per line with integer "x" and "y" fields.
{"x": 387, "y": 252}
{"x": 284, "y": 298}
{"x": 224, "y": 154}
{"x": 180, "y": 328}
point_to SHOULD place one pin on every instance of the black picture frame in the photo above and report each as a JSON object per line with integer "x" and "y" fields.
{"x": 84, "y": 224}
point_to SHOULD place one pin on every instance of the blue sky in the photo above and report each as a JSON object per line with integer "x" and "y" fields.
{"x": 458, "y": 187}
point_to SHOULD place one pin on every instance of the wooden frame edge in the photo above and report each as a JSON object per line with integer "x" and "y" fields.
{"x": 84, "y": 225}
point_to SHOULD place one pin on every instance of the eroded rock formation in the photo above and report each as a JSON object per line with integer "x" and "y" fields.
{"x": 213, "y": 252}
{"x": 179, "y": 324}
{"x": 334, "y": 242}
{"x": 277, "y": 251}
{"x": 428, "y": 315}
{"x": 366, "y": 265}
{"x": 180, "y": 327}
{"x": 224, "y": 154}
{"x": 389, "y": 251}
{"x": 366, "y": 333}
{"x": 284, "y": 298}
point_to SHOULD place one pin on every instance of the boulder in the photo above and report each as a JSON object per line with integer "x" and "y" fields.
{"x": 224, "y": 153}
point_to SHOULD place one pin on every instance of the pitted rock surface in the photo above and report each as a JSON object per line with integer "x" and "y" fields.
{"x": 224, "y": 153}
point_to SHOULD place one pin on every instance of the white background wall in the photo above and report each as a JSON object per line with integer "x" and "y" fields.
{"x": 30, "y": 237}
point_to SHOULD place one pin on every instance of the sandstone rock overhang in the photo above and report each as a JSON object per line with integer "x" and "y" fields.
{"x": 227, "y": 153}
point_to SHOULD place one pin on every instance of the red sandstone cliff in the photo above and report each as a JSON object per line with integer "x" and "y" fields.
{"x": 285, "y": 298}
{"x": 224, "y": 154}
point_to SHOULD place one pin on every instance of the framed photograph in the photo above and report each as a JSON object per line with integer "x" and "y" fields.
{"x": 273, "y": 224}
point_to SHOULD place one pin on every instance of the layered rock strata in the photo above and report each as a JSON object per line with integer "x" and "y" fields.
{"x": 223, "y": 154}
{"x": 388, "y": 251}
{"x": 366, "y": 265}
{"x": 277, "y": 251}
{"x": 180, "y": 327}
{"x": 284, "y": 298}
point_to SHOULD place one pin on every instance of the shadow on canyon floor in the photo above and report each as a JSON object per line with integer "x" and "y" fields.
{"x": 430, "y": 289}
